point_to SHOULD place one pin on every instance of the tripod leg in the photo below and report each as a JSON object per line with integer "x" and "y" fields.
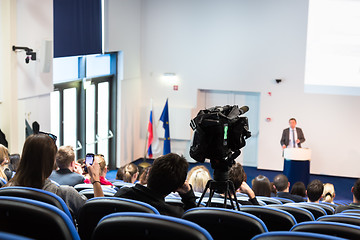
{"x": 203, "y": 194}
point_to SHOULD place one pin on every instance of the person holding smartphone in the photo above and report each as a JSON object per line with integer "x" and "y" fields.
{"x": 102, "y": 171}
{"x": 36, "y": 164}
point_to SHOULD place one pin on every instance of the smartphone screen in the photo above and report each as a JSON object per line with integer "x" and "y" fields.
{"x": 89, "y": 159}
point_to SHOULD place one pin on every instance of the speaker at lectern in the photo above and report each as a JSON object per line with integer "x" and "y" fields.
{"x": 297, "y": 164}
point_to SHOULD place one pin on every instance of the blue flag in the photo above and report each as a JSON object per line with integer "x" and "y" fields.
{"x": 165, "y": 119}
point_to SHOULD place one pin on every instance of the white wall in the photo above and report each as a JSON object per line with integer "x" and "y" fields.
{"x": 243, "y": 46}
{"x": 25, "y": 87}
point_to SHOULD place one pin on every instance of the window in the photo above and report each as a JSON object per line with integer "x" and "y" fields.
{"x": 80, "y": 105}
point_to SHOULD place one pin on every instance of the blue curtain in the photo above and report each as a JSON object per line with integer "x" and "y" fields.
{"x": 77, "y": 27}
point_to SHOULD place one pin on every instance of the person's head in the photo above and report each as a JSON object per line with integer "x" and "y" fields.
{"x": 292, "y": 122}
{"x": 131, "y": 173}
{"x": 298, "y": 188}
{"x": 198, "y": 176}
{"x": 37, "y": 161}
{"x": 4, "y": 155}
{"x": 65, "y": 157}
{"x": 168, "y": 173}
{"x": 281, "y": 183}
{"x": 356, "y": 191}
{"x": 36, "y": 127}
{"x": 315, "y": 190}
{"x": 261, "y": 186}
{"x": 143, "y": 178}
{"x": 237, "y": 175}
{"x": 329, "y": 193}
{"x": 14, "y": 162}
{"x": 103, "y": 167}
{"x": 120, "y": 173}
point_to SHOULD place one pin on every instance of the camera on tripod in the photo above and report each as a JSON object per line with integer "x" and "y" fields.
{"x": 219, "y": 134}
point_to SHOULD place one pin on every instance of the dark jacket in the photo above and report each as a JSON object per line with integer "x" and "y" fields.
{"x": 295, "y": 198}
{"x": 285, "y": 137}
{"x": 144, "y": 194}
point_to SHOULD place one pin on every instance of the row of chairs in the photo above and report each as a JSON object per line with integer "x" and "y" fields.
{"x": 219, "y": 222}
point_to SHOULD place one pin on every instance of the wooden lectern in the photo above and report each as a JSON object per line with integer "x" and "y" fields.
{"x": 297, "y": 164}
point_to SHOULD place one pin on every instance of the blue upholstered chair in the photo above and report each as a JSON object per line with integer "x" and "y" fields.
{"x": 341, "y": 218}
{"x": 317, "y": 211}
{"x": 224, "y": 223}
{"x": 274, "y": 219}
{"x": 148, "y": 226}
{"x": 300, "y": 214}
{"x": 284, "y": 200}
{"x": 96, "y": 208}
{"x": 343, "y": 230}
{"x": 35, "y": 219}
{"x": 89, "y": 193}
{"x": 36, "y": 194}
{"x": 269, "y": 200}
{"x": 285, "y": 235}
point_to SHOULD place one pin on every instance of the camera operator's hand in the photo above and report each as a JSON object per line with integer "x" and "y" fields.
{"x": 184, "y": 188}
{"x": 244, "y": 188}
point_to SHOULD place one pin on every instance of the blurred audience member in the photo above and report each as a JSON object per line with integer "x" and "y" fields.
{"x": 167, "y": 174}
{"x": 329, "y": 193}
{"x": 282, "y": 185}
{"x": 356, "y": 199}
{"x": 102, "y": 171}
{"x": 198, "y": 176}
{"x": 4, "y": 161}
{"x": 36, "y": 165}
{"x": 120, "y": 173}
{"x": 131, "y": 173}
{"x": 143, "y": 178}
{"x": 299, "y": 189}
{"x": 261, "y": 186}
{"x": 14, "y": 162}
{"x": 70, "y": 172}
{"x": 315, "y": 190}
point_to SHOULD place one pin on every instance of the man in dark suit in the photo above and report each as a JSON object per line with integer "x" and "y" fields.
{"x": 282, "y": 186}
{"x": 293, "y": 136}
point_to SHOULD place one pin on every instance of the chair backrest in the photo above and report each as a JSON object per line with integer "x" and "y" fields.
{"x": 36, "y": 194}
{"x": 12, "y": 236}
{"x": 224, "y": 223}
{"x": 329, "y": 209}
{"x": 120, "y": 184}
{"x": 285, "y": 235}
{"x": 274, "y": 219}
{"x": 341, "y": 218}
{"x": 96, "y": 208}
{"x": 269, "y": 200}
{"x": 89, "y": 193}
{"x": 246, "y": 199}
{"x": 315, "y": 210}
{"x": 284, "y": 200}
{"x": 148, "y": 226}
{"x": 35, "y": 219}
{"x": 176, "y": 201}
{"x": 82, "y": 186}
{"x": 351, "y": 211}
{"x": 300, "y": 214}
{"x": 217, "y": 202}
{"x": 343, "y": 230}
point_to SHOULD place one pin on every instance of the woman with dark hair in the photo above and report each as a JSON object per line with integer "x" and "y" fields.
{"x": 298, "y": 189}
{"x": 36, "y": 164}
{"x": 261, "y": 186}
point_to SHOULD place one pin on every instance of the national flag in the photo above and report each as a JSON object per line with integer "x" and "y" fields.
{"x": 153, "y": 140}
{"x": 165, "y": 119}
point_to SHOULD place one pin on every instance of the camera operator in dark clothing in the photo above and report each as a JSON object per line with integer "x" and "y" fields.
{"x": 168, "y": 174}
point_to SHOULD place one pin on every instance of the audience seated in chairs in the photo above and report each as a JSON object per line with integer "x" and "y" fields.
{"x": 167, "y": 174}
{"x": 36, "y": 165}
{"x": 356, "y": 199}
{"x": 14, "y": 163}
{"x": 261, "y": 186}
{"x": 298, "y": 188}
{"x": 282, "y": 185}
{"x": 69, "y": 172}
{"x": 198, "y": 177}
{"x": 131, "y": 173}
{"x": 314, "y": 191}
{"x": 102, "y": 171}
{"x": 329, "y": 193}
